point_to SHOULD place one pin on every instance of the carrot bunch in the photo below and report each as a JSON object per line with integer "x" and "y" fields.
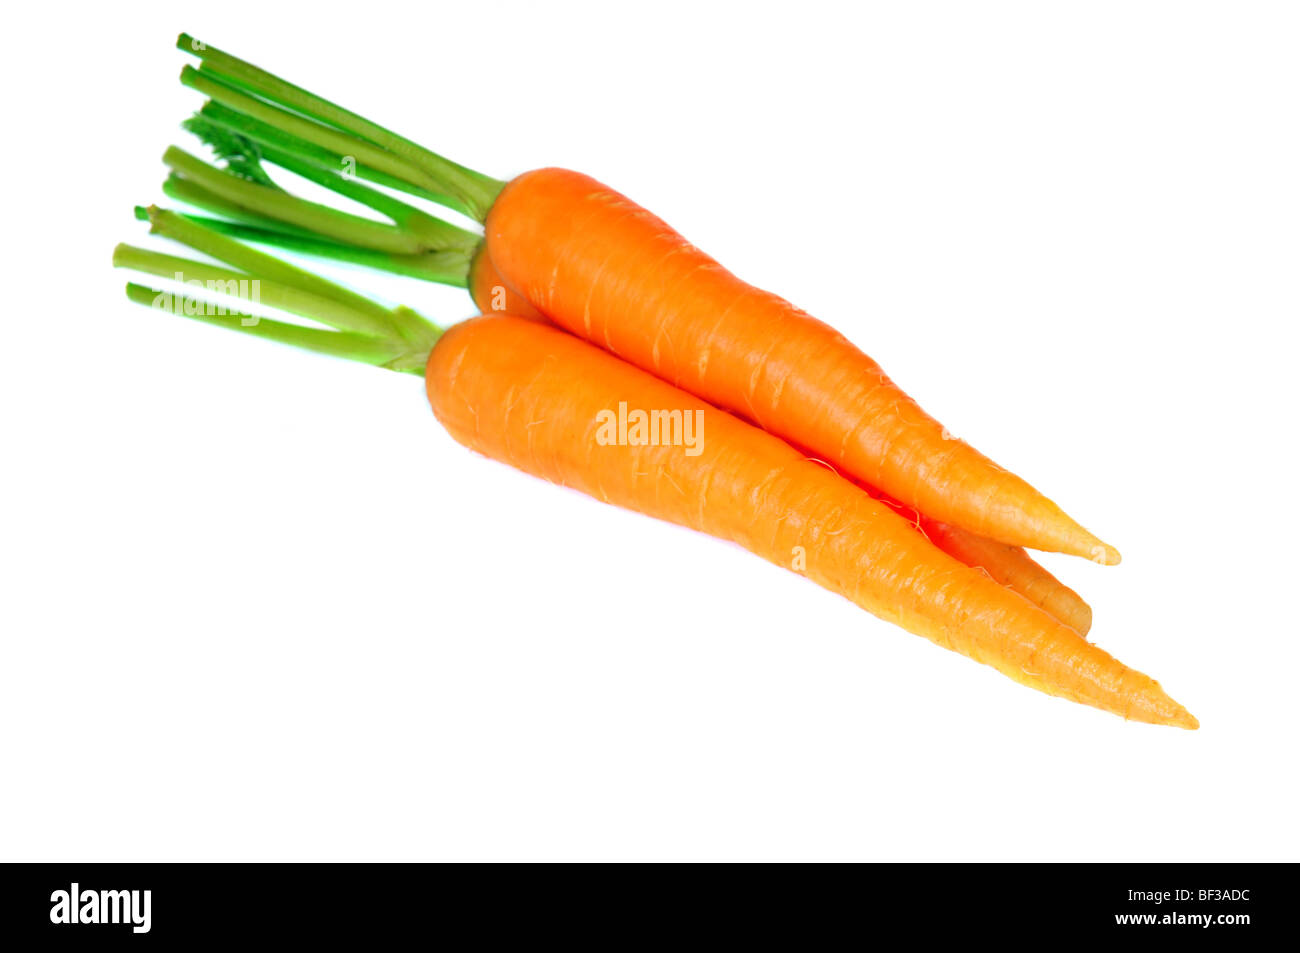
{"x": 591, "y": 302}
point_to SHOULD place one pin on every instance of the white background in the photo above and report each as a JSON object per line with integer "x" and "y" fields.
{"x": 258, "y": 605}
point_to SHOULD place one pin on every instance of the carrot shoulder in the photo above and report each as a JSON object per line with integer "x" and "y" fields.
{"x": 531, "y": 396}
{"x": 602, "y": 267}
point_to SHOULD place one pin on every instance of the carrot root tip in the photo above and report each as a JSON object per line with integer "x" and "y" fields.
{"x": 1105, "y": 555}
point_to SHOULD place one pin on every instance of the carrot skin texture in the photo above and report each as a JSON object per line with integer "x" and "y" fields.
{"x": 604, "y": 268}
{"x": 532, "y": 396}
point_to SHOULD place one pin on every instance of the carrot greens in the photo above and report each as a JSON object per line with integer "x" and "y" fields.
{"x": 265, "y": 98}
{"x": 356, "y": 327}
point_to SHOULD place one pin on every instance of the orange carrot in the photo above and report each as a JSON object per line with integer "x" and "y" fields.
{"x": 602, "y": 267}
{"x": 1009, "y": 565}
{"x": 533, "y": 397}
{"x": 526, "y": 393}
{"x": 491, "y": 293}
{"x": 1014, "y": 568}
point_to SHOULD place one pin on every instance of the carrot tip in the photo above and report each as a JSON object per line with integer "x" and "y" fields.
{"x": 1151, "y": 704}
{"x": 1179, "y": 717}
{"x": 1105, "y": 555}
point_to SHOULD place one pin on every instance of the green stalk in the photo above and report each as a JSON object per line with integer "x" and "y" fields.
{"x": 446, "y": 268}
{"x": 271, "y": 87}
{"x": 245, "y": 286}
{"x": 170, "y": 225}
{"x": 433, "y": 231}
{"x": 344, "y": 344}
{"x": 397, "y": 338}
{"x": 270, "y": 139}
{"x": 475, "y": 191}
{"x": 448, "y": 265}
{"x": 191, "y": 193}
{"x": 343, "y": 143}
{"x": 296, "y": 211}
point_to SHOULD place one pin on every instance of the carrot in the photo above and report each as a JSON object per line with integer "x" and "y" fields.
{"x": 602, "y": 267}
{"x": 492, "y": 295}
{"x": 532, "y": 396}
{"x": 606, "y": 269}
{"x": 1010, "y": 566}
{"x": 1014, "y": 568}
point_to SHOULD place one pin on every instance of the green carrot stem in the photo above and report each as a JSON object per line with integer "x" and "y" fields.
{"x": 191, "y": 193}
{"x": 399, "y": 339}
{"x": 279, "y": 204}
{"x": 443, "y": 267}
{"x": 431, "y": 230}
{"x": 344, "y": 143}
{"x": 474, "y": 189}
{"x": 270, "y": 139}
{"x": 269, "y": 86}
{"x": 257, "y": 290}
{"x": 173, "y": 226}
{"x": 344, "y": 344}
{"x": 449, "y": 265}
